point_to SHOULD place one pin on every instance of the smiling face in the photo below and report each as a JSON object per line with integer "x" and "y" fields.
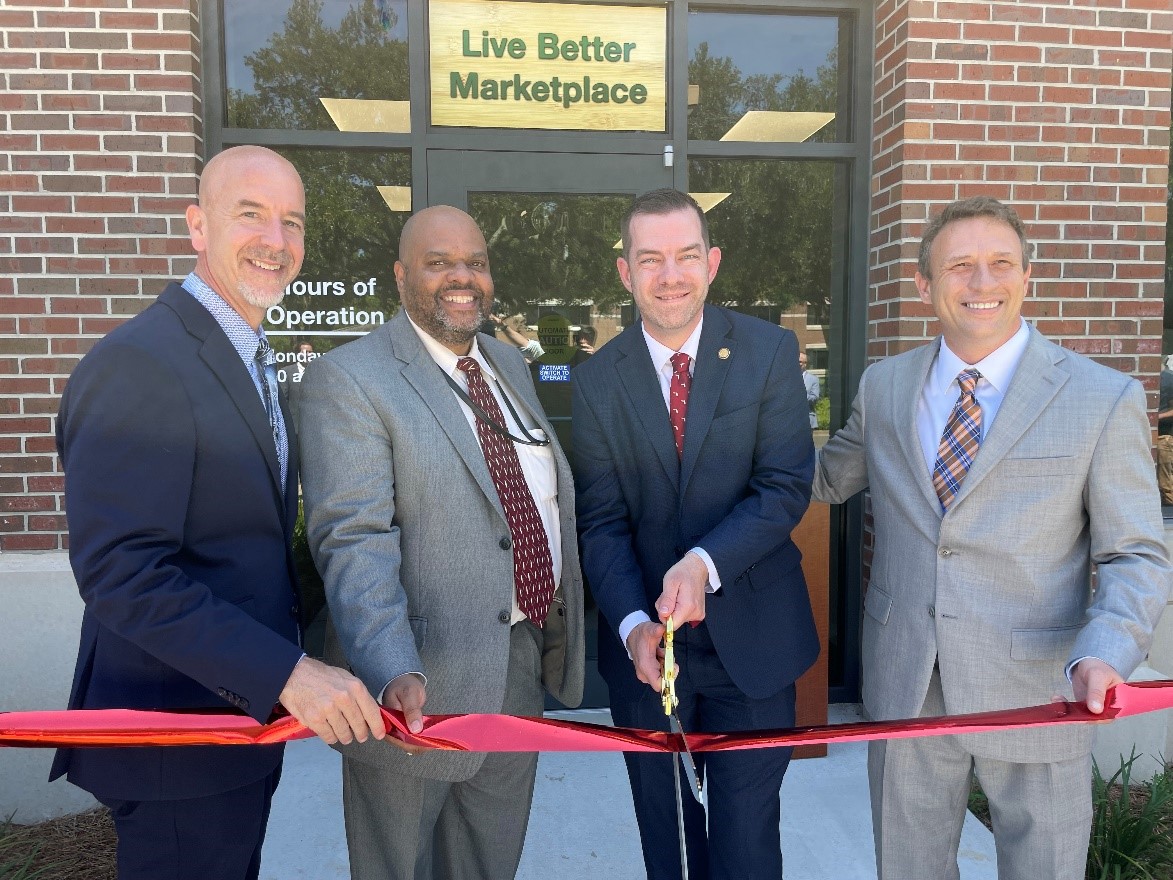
{"x": 443, "y": 276}
{"x": 668, "y": 271}
{"x": 248, "y": 229}
{"x": 977, "y": 286}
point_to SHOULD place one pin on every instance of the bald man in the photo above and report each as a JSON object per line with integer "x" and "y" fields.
{"x": 452, "y": 582}
{"x": 181, "y": 489}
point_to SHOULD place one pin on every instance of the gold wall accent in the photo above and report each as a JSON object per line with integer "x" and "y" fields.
{"x": 353, "y": 114}
{"x": 631, "y": 39}
{"x": 777, "y": 126}
{"x": 398, "y": 198}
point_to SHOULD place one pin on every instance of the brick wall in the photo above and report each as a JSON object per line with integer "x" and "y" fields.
{"x": 1061, "y": 109}
{"x": 100, "y": 130}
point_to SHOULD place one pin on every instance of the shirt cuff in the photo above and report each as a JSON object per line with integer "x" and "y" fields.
{"x": 628, "y": 624}
{"x": 714, "y": 583}
{"x": 423, "y": 678}
{"x": 1071, "y": 666}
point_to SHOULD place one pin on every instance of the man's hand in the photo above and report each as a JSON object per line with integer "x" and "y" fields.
{"x": 683, "y": 598}
{"x": 406, "y": 693}
{"x": 332, "y": 703}
{"x": 1091, "y": 679}
{"x": 643, "y": 644}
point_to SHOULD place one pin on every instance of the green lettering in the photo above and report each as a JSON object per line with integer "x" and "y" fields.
{"x": 571, "y": 94}
{"x": 639, "y": 93}
{"x": 570, "y": 51}
{"x": 627, "y": 47}
{"x": 619, "y": 93}
{"x": 520, "y": 88}
{"x": 506, "y": 85}
{"x": 597, "y": 43}
{"x": 612, "y": 52}
{"x": 541, "y": 91}
{"x": 463, "y": 88}
{"x": 490, "y": 90}
{"x": 556, "y": 88}
{"x": 599, "y": 93}
{"x": 517, "y": 48}
{"x": 467, "y": 50}
{"x": 547, "y": 46}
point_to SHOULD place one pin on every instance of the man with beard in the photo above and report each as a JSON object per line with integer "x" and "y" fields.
{"x": 439, "y": 509}
{"x": 181, "y": 486}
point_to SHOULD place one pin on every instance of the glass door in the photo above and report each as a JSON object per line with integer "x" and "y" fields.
{"x": 552, "y": 222}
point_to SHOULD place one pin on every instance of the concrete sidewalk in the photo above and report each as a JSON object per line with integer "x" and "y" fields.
{"x": 583, "y": 825}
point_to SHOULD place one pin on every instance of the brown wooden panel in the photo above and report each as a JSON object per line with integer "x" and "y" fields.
{"x": 813, "y": 538}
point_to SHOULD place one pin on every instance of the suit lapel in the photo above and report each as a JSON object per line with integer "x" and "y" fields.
{"x": 426, "y": 377}
{"x": 1034, "y": 385}
{"x": 708, "y": 379}
{"x": 909, "y": 384}
{"x": 224, "y": 361}
{"x": 639, "y": 380}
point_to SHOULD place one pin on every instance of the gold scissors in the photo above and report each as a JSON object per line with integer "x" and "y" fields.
{"x": 670, "y": 701}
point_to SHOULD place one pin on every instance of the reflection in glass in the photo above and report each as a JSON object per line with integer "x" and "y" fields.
{"x": 764, "y": 77}
{"x": 283, "y": 56}
{"x": 347, "y": 284}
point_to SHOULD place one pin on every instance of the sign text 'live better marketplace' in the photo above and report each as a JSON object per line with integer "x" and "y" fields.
{"x": 552, "y": 66}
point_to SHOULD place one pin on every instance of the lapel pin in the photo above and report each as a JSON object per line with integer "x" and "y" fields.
{"x": 723, "y": 354}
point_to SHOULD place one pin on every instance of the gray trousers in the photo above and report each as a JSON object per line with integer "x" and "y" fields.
{"x": 1041, "y": 813}
{"x": 402, "y": 827}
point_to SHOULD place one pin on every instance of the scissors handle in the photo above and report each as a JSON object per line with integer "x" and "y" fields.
{"x": 668, "y": 673}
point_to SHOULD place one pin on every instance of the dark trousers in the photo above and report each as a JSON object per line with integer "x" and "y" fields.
{"x": 218, "y": 837}
{"x": 742, "y": 787}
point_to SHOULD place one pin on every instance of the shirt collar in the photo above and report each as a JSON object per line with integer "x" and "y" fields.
{"x": 997, "y": 367}
{"x": 662, "y": 354}
{"x": 444, "y": 356}
{"x": 243, "y": 337}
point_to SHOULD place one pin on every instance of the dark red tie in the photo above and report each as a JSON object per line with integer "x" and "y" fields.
{"x": 678, "y": 398}
{"x": 533, "y": 568}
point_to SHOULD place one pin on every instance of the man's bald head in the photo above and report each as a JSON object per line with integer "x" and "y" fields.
{"x": 443, "y": 275}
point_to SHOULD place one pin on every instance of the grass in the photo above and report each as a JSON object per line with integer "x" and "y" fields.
{"x": 79, "y": 847}
{"x": 1132, "y": 825}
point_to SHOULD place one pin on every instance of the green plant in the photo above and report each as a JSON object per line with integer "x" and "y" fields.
{"x": 313, "y": 592}
{"x": 823, "y": 412}
{"x": 16, "y": 859}
{"x": 1132, "y": 826}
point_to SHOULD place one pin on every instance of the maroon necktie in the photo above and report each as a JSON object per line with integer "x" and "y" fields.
{"x": 533, "y": 568}
{"x": 678, "y": 398}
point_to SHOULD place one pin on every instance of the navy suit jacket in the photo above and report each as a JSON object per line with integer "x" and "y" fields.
{"x": 742, "y": 485}
{"x": 180, "y": 543}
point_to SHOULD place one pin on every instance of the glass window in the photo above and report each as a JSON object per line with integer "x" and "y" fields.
{"x": 317, "y": 64}
{"x": 765, "y": 77}
{"x": 356, "y": 205}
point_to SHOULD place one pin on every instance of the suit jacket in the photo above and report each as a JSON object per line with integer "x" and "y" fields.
{"x": 742, "y": 485}
{"x": 998, "y": 589}
{"x": 180, "y": 542}
{"x": 411, "y": 539}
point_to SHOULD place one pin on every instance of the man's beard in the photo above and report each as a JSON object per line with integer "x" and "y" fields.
{"x": 440, "y": 325}
{"x": 265, "y": 297}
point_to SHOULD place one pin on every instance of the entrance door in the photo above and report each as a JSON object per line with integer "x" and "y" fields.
{"x": 552, "y": 221}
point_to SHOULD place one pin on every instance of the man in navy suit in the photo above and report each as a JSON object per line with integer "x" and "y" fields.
{"x": 693, "y": 463}
{"x": 181, "y": 487}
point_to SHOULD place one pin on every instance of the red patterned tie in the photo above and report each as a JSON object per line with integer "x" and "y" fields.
{"x": 960, "y": 440}
{"x": 678, "y": 398}
{"x": 533, "y": 568}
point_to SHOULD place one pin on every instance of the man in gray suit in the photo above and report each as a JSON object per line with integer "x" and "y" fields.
{"x": 994, "y": 493}
{"x": 451, "y": 570}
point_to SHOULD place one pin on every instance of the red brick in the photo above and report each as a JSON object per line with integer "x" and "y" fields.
{"x": 103, "y": 122}
{"x": 54, "y": 20}
{"x": 103, "y": 163}
{"x": 70, "y": 143}
{"x": 1085, "y": 37}
{"x": 100, "y": 82}
{"x": 65, "y": 326}
{"x": 75, "y": 265}
{"x": 164, "y": 42}
{"x": 69, "y": 61}
{"x": 129, "y": 21}
{"x": 1015, "y": 52}
{"x": 38, "y": 82}
{"x": 28, "y": 464}
{"x": 51, "y": 365}
{"x": 18, "y": 60}
{"x": 105, "y": 204}
{"x": 43, "y": 39}
{"x": 19, "y": 542}
{"x": 98, "y": 40}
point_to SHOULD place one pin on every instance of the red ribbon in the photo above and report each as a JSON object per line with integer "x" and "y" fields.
{"x": 508, "y": 733}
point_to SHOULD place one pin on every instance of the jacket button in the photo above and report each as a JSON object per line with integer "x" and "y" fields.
{"x": 223, "y": 692}
{"x": 505, "y": 543}
{"x": 932, "y": 611}
{"x": 504, "y": 616}
{"x": 944, "y": 551}
{"x": 295, "y": 611}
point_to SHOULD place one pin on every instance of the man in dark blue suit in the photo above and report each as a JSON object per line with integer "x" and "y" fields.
{"x": 181, "y": 488}
{"x": 693, "y": 463}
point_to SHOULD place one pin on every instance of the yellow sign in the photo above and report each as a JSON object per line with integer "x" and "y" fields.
{"x": 548, "y": 65}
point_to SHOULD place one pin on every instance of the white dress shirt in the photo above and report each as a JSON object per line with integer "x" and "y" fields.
{"x": 537, "y": 462}
{"x": 662, "y": 360}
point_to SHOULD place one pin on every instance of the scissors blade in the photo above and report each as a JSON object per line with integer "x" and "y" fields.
{"x": 687, "y": 759}
{"x": 680, "y": 821}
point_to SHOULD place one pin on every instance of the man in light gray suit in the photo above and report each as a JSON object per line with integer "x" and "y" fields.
{"x": 451, "y": 571}
{"x": 993, "y": 496}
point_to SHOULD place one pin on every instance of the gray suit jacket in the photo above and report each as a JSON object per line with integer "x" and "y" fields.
{"x": 410, "y": 537}
{"x": 998, "y": 589}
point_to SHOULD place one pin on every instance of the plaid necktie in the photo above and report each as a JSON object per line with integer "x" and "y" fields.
{"x": 267, "y": 366}
{"x": 678, "y": 398}
{"x": 533, "y": 567}
{"x": 960, "y": 440}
